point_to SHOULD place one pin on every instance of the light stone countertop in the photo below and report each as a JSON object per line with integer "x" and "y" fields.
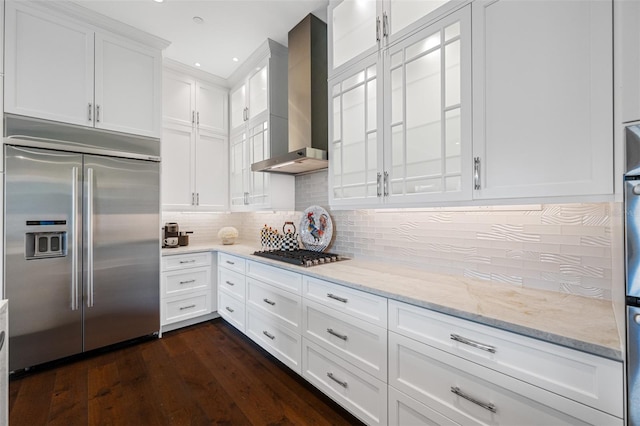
{"x": 577, "y": 322}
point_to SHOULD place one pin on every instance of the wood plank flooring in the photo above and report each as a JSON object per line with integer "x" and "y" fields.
{"x": 205, "y": 374}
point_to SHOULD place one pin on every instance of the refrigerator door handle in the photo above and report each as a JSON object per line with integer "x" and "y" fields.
{"x": 89, "y": 237}
{"x": 74, "y": 246}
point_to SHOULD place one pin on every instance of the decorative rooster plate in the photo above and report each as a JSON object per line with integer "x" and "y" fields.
{"x": 316, "y": 229}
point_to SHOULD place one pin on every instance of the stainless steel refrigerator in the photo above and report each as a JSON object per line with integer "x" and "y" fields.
{"x": 82, "y": 241}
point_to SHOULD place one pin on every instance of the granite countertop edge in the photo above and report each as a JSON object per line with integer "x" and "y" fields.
{"x": 246, "y": 251}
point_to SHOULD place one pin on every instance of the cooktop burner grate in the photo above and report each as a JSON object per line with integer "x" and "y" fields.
{"x": 304, "y": 258}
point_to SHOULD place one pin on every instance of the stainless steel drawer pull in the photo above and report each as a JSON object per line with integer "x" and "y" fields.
{"x": 338, "y": 298}
{"x": 338, "y": 335}
{"x": 473, "y": 343}
{"x": 269, "y": 335}
{"x": 188, "y": 261}
{"x": 187, "y": 282}
{"x": 487, "y": 406}
{"x": 338, "y": 381}
{"x": 230, "y": 283}
{"x": 230, "y": 262}
{"x": 270, "y": 302}
{"x": 182, "y": 308}
{"x": 229, "y": 309}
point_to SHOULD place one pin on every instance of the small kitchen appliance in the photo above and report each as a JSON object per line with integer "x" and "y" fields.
{"x": 171, "y": 234}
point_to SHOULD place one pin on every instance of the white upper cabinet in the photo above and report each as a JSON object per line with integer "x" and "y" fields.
{"x": 60, "y": 69}
{"x": 128, "y": 84}
{"x": 194, "y": 141}
{"x": 258, "y": 104}
{"x": 543, "y": 101}
{"x": 359, "y": 27}
{"x": 49, "y": 66}
{"x": 400, "y": 126}
{"x": 250, "y": 99}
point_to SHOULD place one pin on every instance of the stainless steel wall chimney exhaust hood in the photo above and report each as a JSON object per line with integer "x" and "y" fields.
{"x": 307, "y": 144}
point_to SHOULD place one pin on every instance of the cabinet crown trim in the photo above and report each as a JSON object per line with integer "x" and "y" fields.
{"x": 267, "y": 49}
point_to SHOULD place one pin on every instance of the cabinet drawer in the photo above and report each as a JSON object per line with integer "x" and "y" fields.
{"x": 360, "y": 304}
{"x": 231, "y": 309}
{"x": 583, "y": 377}
{"x": 181, "y": 308}
{"x": 358, "y": 392}
{"x": 404, "y": 410}
{"x": 234, "y": 263}
{"x": 279, "y": 341}
{"x": 284, "y": 307}
{"x": 359, "y": 342}
{"x": 471, "y": 394}
{"x": 286, "y": 280}
{"x": 231, "y": 281}
{"x": 182, "y": 281}
{"x": 180, "y": 261}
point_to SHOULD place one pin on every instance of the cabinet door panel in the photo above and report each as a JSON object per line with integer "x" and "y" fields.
{"x": 258, "y": 150}
{"x": 355, "y": 148}
{"x": 211, "y": 171}
{"x": 128, "y": 87}
{"x": 258, "y": 92}
{"x": 178, "y": 98}
{"x": 238, "y": 102}
{"x": 352, "y": 30}
{"x": 212, "y": 108}
{"x": 543, "y": 98}
{"x": 238, "y": 169}
{"x": 177, "y": 174}
{"x": 428, "y": 121}
{"x": 49, "y": 66}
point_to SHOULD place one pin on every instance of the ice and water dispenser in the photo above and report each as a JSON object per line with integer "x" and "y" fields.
{"x": 45, "y": 244}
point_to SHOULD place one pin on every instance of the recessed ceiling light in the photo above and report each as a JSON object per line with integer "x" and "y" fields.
{"x": 197, "y": 64}
{"x": 235, "y": 59}
{"x": 198, "y": 20}
{"x": 158, "y": 1}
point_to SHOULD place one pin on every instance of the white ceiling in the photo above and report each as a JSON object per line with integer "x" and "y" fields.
{"x": 231, "y": 28}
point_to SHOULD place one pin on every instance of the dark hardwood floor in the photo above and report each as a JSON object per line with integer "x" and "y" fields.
{"x": 200, "y": 375}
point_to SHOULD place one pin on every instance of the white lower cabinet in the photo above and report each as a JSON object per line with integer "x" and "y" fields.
{"x": 187, "y": 290}
{"x": 405, "y": 411}
{"x": 359, "y": 342}
{"x": 282, "y": 306}
{"x": 360, "y": 393}
{"x": 280, "y": 341}
{"x": 232, "y": 290}
{"x": 470, "y": 394}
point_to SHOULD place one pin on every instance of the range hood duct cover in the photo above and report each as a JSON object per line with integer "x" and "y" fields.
{"x": 307, "y": 87}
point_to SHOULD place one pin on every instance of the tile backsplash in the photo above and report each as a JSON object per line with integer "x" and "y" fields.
{"x": 559, "y": 247}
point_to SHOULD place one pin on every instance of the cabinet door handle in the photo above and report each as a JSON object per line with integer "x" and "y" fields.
{"x": 269, "y": 302}
{"x": 269, "y": 335}
{"x": 338, "y": 298}
{"x": 89, "y": 110}
{"x": 193, "y": 198}
{"x": 193, "y": 117}
{"x": 486, "y": 405}
{"x": 335, "y": 333}
{"x": 377, "y": 28}
{"x": 198, "y": 118}
{"x": 188, "y": 261}
{"x": 338, "y": 381}
{"x": 97, "y": 113}
{"x": 386, "y": 184}
{"x": 182, "y": 308}
{"x": 229, "y": 309}
{"x": 476, "y": 173}
{"x": 230, "y": 263}
{"x": 187, "y": 282}
{"x": 385, "y": 25}
{"x": 230, "y": 283}
{"x": 197, "y": 198}
{"x": 473, "y": 343}
{"x": 379, "y": 183}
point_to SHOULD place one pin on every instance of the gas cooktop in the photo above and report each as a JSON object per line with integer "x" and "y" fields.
{"x": 304, "y": 258}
